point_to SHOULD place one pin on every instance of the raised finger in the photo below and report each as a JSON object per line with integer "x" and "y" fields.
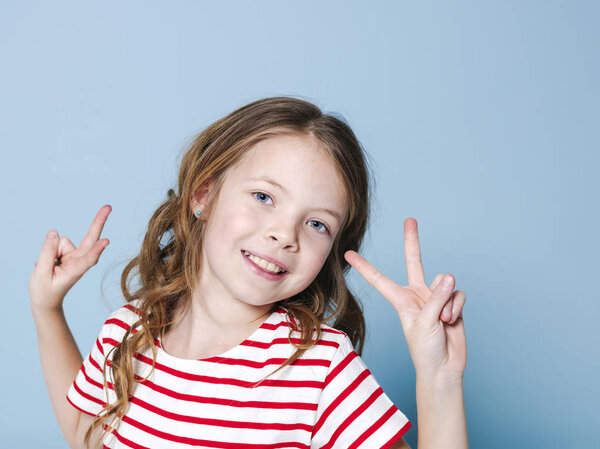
{"x": 95, "y": 228}
{"x": 412, "y": 254}
{"x": 374, "y": 277}
{"x": 45, "y": 263}
{"x": 92, "y": 256}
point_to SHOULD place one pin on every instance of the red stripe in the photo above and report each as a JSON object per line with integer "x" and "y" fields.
{"x": 226, "y": 401}
{"x": 243, "y": 362}
{"x": 352, "y": 417}
{"x": 110, "y": 341}
{"x": 122, "y": 324}
{"x": 133, "y": 309}
{"x": 96, "y": 364}
{"x": 284, "y": 323}
{"x": 396, "y": 437}
{"x": 208, "y": 443}
{"x": 273, "y": 326}
{"x": 79, "y": 408}
{"x": 343, "y": 364}
{"x": 377, "y": 424}
{"x": 273, "y": 361}
{"x": 87, "y": 396}
{"x": 100, "y": 348}
{"x": 229, "y": 381}
{"x": 220, "y": 422}
{"x": 126, "y": 441}
{"x": 90, "y": 380}
{"x": 343, "y": 395}
{"x": 285, "y": 341}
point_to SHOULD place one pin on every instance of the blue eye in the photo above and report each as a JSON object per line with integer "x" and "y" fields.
{"x": 262, "y": 194}
{"x": 323, "y": 226}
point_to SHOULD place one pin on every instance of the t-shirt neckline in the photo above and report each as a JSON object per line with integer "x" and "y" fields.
{"x": 270, "y": 320}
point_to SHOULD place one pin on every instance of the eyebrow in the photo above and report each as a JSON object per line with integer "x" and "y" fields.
{"x": 280, "y": 187}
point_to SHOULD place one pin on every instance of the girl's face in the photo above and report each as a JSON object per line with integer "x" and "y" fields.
{"x": 272, "y": 204}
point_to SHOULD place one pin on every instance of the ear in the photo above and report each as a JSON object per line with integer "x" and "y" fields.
{"x": 201, "y": 194}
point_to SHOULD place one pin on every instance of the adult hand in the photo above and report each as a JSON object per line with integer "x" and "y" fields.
{"x": 431, "y": 317}
{"x": 61, "y": 264}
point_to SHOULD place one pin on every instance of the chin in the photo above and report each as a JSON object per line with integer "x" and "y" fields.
{"x": 257, "y": 302}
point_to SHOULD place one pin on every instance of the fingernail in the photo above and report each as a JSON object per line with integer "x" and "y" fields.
{"x": 448, "y": 280}
{"x": 51, "y": 234}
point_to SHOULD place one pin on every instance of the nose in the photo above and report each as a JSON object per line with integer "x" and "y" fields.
{"x": 283, "y": 234}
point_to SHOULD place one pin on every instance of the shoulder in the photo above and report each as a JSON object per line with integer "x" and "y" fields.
{"x": 121, "y": 319}
{"x": 340, "y": 338}
{"x": 128, "y": 313}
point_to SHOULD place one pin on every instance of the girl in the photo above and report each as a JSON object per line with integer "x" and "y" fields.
{"x": 225, "y": 343}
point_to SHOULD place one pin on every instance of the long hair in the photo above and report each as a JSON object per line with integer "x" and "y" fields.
{"x": 170, "y": 257}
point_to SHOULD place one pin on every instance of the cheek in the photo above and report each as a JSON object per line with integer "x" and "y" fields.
{"x": 233, "y": 221}
{"x": 239, "y": 222}
{"x": 315, "y": 263}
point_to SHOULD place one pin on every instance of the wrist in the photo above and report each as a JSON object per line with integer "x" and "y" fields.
{"x": 440, "y": 379}
{"x": 42, "y": 312}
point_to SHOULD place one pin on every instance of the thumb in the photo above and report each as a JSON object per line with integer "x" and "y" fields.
{"x": 440, "y": 296}
{"x": 45, "y": 263}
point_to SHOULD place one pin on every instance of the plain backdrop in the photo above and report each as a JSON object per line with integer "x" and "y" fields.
{"x": 481, "y": 120}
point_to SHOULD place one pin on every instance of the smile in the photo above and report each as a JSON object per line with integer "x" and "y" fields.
{"x": 268, "y": 271}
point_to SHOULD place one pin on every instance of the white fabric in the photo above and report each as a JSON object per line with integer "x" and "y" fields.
{"x": 327, "y": 399}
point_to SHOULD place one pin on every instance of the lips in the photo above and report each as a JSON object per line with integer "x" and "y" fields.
{"x": 260, "y": 271}
{"x": 268, "y": 259}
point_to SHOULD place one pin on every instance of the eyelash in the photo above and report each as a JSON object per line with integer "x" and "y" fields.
{"x": 324, "y": 227}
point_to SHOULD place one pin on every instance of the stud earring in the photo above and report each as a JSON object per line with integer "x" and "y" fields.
{"x": 198, "y": 212}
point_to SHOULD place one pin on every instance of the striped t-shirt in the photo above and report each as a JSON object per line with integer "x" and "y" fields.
{"x": 326, "y": 399}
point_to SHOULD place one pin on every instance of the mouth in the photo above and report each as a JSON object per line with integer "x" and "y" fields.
{"x": 264, "y": 272}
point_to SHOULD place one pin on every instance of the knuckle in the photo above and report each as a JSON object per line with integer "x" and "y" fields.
{"x": 375, "y": 278}
{"x": 93, "y": 259}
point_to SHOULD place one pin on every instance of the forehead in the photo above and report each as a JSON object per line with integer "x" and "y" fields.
{"x": 297, "y": 162}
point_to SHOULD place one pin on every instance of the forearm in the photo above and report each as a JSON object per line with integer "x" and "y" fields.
{"x": 60, "y": 359}
{"x": 441, "y": 413}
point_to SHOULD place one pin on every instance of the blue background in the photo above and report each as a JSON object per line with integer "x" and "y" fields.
{"x": 481, "y": 119}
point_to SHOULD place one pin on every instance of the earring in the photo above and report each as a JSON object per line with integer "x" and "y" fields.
{"x": 198, "y": 212}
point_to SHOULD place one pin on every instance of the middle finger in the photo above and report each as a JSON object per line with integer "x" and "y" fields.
{"x": 95, "y": 228}
{"x": 412, "y": 254}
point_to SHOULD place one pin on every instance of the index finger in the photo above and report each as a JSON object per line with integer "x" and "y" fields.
{"x": 412, "y": 254}
{"x": 96, "y": 227}
{"x": 372, "y": 275}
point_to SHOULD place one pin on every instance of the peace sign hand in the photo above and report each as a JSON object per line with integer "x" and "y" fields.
{"x": 61, "y": 265}
{"x": 436, "y": 340}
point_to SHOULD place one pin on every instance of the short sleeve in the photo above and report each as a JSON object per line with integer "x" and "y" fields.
{"x": 87, "y": 393}
{"x": 353, "y": 410}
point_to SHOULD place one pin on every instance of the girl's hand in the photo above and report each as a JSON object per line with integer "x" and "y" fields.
{"x": 61, "y": 265}
{"x": 431, "y": 317}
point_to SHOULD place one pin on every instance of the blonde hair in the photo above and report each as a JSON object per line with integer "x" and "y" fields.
{"x": 167, "y": 264}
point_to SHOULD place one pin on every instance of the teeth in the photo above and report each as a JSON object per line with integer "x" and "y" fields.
{"x": 263, "y": 263}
